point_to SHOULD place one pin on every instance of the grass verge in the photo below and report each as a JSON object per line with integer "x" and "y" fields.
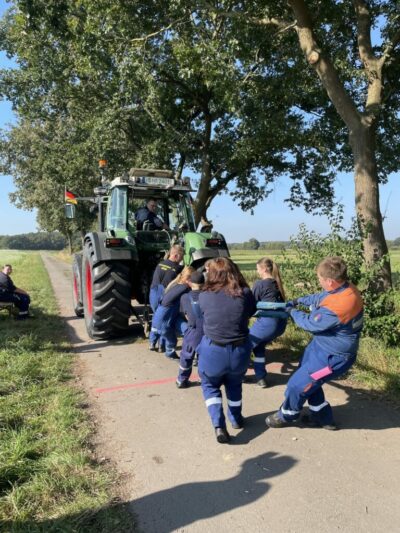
{"x": 49, "y": 479}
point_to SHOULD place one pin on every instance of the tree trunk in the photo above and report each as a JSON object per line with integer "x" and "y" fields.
{"x": 369, "y": 215}
{"x": 69, "y": 238}
{"x": 361, "y": 127}
{"x": 200, "y": 204}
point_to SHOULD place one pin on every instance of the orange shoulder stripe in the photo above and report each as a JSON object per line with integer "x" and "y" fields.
{"x": 346, "y": 304}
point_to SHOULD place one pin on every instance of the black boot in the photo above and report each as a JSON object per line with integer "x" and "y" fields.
{"x": 222, "y": 435}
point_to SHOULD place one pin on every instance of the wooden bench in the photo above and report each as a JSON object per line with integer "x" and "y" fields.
{"x": 7, "y": 306}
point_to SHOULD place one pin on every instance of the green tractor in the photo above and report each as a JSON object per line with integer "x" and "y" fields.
{"x": 116, "y": 264}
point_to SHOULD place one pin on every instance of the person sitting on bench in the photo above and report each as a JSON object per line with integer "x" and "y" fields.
{"x": 10, "y": 293}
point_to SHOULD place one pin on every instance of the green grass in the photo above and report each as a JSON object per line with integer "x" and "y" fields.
{"x": 377, "y": 368}
{"x": 49, "y": 478}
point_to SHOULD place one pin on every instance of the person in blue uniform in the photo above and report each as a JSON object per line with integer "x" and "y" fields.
{"x": 265, "y": 329}
{"x": 227, "y": 304}
{"x": 10, "y": 293}
{"x": 148, "y": 213}
{"x": 335, "y": 320}
{"x": 191, "y": 309}
{"x": 167, "y": 321}
{"x": 165, "y": 272}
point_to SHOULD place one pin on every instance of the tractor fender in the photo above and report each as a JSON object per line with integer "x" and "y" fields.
{"x": 101, "y": 253}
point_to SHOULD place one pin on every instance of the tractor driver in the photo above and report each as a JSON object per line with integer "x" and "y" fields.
{"x": 149, "y": 214}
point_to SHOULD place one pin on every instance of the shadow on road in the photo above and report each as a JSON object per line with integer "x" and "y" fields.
{"x": 179, "y": 506}
{"x": 132, "y": 335}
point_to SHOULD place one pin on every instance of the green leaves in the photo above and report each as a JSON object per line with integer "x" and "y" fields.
{"x": 158, "y": 83}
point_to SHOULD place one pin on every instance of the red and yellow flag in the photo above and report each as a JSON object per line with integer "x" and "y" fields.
{"x": 70, "y": 197}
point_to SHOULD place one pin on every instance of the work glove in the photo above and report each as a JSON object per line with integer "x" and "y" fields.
{"x": 288, "y": 309}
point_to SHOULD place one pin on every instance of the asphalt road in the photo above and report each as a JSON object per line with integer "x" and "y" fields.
{"x": 178, "y": 478}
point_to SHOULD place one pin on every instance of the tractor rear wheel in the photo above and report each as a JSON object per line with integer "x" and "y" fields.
{"x": 106, "y": 296}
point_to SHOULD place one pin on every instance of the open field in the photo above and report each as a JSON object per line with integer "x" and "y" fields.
{"x": 49, "y": 478}
{"x": 247, "y": 259}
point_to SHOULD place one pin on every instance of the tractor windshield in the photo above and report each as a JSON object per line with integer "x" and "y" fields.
{"x": 172, "y": 209}
{"x": 117, "y": 209}
{"x": 180, "y": 214}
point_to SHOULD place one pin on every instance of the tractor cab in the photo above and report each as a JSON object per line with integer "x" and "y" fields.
{"x": 155, "y": 212}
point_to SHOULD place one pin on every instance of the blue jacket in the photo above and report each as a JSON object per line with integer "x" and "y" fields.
{"x": 335, "y": 319}
{"x": 226, "y": 317}
{"x": 266, "y": 290}
{"x": 165, "y": 272}
{"x": 191, "y": 308}
{"x": 172, "y": 297}
{"x": 144, "y": 214}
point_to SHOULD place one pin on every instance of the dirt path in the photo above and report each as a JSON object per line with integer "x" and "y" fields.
{"x": 178, "y": 478}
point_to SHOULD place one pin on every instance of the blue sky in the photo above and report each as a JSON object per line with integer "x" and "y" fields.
{"x": 272, "y": 219}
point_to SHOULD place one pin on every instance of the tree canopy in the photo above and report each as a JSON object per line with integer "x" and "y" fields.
{"x": 164, "y": 84}
{"x": 240, "y": 94}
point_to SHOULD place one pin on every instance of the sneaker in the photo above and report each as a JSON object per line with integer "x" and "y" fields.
{"x": 172, "y": 355}
{"x": 275, "y": 421}
{"x": 262, "y": 383}
{"x": 312, "y": 423}
{"x": 222, "y": 435}
{"x": 161, "y": 349}
{"x": 182, "y": 384}
{"x": 249, "y": 378}
{"x": 239, "y": 423}
{"x": 152, "y": 347}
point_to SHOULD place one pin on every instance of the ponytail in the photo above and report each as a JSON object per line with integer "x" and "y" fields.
{"x": 272, "y": 268}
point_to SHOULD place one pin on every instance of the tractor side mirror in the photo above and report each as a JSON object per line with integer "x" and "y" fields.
{"x": 69, "y": 210}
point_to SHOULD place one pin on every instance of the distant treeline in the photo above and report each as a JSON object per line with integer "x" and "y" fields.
{"x": 56, "y": 241}
{"x": 33, "y": 241}
{"x": 254, "y": 244}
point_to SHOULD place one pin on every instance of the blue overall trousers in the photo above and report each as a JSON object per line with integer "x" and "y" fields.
{"x": 191, "y": 340}
{"x": 263, "y": 331}
{"x": 302, "y": 387}
{"x": 166, "y": 324}
{"x": 223, "y": 365}
{"x": 21, "y": 301}
{"x": 155, "y": 297}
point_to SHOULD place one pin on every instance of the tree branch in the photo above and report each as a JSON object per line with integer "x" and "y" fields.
{"x": 390, "y": 46}
{"x": 324, "y": 68}
{"x": 252, "y": 70}
{"x": 218, "y": 187}
{"x": 264, "y": 21}
{"x": 158, "y": 32}
{"x": 363, "y": 18}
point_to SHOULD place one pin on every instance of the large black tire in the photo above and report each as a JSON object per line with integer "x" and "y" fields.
{"x": 77, "y": 285}
{"x": 106, "y": 296}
